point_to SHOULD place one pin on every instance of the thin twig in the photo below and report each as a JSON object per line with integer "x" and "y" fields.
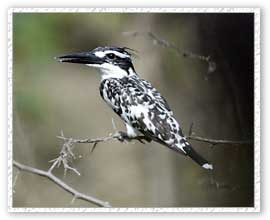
{"x": 15, "y": 181}
{"x": 118, "y": 136}
{"x": 190, "y": 132}
{"x": 65, "y": 157}
{"x": 215, "y": 141}
{"x": 48, "y": 174}
{"x": 122, "y": 136}
{"x": 180, "y": 52}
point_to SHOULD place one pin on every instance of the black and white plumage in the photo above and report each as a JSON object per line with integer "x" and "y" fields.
{"x": 135, "y": 100}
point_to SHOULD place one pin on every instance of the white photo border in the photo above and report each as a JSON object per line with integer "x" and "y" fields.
{"x": 256, "y": 12}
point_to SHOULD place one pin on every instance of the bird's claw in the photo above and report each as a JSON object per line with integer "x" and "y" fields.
{"x": 122, "y": 136}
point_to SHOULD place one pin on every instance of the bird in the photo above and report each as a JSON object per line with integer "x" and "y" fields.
{"x": 142, "y": 108}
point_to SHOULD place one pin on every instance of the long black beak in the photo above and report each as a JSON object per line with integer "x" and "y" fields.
{"x": 82, "y": 58}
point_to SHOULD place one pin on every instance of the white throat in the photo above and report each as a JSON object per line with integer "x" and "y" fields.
{"x": 111, "y": 71}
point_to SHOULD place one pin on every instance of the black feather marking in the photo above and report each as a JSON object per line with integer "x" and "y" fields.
{"x": 195, "y": 156}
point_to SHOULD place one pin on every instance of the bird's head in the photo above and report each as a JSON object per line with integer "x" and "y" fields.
{"x": 113, "y": 62}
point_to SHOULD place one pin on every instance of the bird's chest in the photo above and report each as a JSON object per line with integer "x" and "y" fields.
{"x": 118, "y": 96}
{"x": 112, "y": 92}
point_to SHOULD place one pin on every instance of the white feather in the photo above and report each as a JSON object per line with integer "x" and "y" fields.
{"x": 208, "y": 166}
{"x": 131, "y": 131}
{"x": 102, "y": 54}
{"x": 109, "y": 70}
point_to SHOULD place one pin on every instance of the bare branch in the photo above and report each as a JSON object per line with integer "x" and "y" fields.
{"x": 190, "y": 132}
{"x": 48, "y": 174}
{"x": 15, "y": 181}
{"x": 65, "y": 157}
{"x": 212, "y": 142}
{"x": 180, "y": 52}
{"x": 122, "y": 136}
{"x": 215, "y": 141}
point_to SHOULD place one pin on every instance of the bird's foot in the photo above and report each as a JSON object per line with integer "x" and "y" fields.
{"x": 123, "y": 136}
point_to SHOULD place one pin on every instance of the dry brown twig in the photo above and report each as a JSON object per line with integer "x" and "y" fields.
{"x": 212, "y": 142}
{"x": 48, "y": 174}
{"x": 157, "y": 40}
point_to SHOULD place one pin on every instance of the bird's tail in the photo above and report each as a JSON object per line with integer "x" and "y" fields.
{"x": 189, "y": 151}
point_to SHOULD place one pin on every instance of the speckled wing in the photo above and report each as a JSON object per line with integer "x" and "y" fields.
{"x": 148, "y": 112}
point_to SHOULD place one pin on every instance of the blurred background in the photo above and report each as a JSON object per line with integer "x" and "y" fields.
{"x": 49, "y": 97}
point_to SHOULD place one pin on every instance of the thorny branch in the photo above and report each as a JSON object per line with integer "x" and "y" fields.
{"x": 48, "y": 174}
{"x": 68, "y": 144}
{"x": 180, "y": 52}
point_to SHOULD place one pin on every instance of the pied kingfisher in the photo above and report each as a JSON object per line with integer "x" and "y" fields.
{"x": 135, "y": 100}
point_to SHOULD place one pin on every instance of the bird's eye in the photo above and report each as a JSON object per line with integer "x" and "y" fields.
{"x": 111, "y": 56}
